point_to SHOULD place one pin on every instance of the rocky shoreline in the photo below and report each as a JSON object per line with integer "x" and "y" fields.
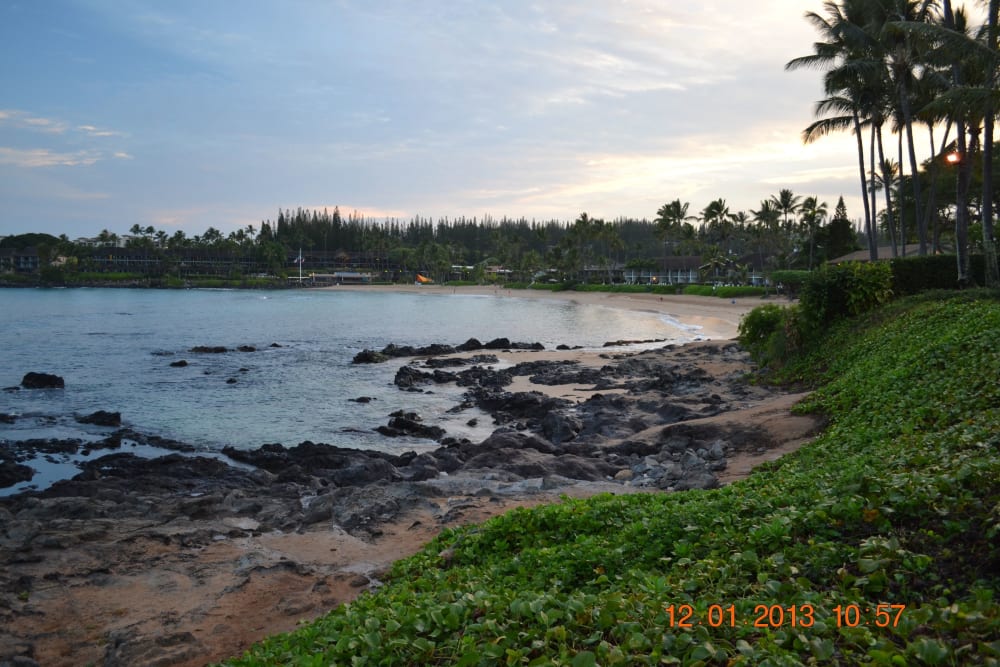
{"x": 184, "y": 558}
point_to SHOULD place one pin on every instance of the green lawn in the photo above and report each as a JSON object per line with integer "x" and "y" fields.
{"x": 879, "y": 543}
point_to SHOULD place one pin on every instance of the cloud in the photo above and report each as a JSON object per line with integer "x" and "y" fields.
{"x": 178, "y": 217}
{"x": 25, "y": 120}
{"x": 75, "y": 194}
{"x": 93, "y": 131}
{"x": 43, "y": 157}
{"x": 62, "y": 132}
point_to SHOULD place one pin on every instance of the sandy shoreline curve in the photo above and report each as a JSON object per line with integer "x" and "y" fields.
{"x": 715, "y": 318}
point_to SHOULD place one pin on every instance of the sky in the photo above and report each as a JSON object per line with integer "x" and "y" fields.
{"x": 195, "y": 113}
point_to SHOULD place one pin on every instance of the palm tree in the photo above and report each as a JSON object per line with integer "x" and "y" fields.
{"x": 715, "y": 261}
{"x": 741, "y": 219}
{"x": 178, "y": 240}
{"x": 813, "y": 213}
{"x": 767, "y": 216}
{"x": 852, "y": 83}
{"x": 718, "y": 222}
{"x": 106, "y": 238}
{"x": 608, "y": 235}
{"x": 672, "y": 220}
{"x": 964, "y": 163}
{"x": 670, "y": 217}
{"x": 575, "y": 246}
{"x": 212, "y": 237}
{"x": 931, "y": 84}
{"x": 992, "y": 106}
{"x": 787, "y": 203}
{"x": 903, "y": 58}
{"x": 886, "y": 181}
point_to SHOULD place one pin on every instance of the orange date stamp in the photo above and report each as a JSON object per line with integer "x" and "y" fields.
{"x": 772, "y": 616}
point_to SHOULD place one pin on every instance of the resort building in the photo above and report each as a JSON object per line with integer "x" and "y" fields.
{"x": 23, "y": 260}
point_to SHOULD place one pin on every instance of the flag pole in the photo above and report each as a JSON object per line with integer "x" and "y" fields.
{"x": 300, "y": 267}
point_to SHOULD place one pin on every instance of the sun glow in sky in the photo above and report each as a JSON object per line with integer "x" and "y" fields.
{"x": 196, "y": 113}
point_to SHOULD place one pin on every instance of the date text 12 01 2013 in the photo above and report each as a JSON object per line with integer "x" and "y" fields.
{"x": 881, "y": 615}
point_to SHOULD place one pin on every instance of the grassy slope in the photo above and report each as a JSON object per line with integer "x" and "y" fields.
{"x": 898, "y": 502}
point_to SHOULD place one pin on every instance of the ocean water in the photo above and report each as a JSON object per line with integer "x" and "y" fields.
{"x": 114, "y": 347}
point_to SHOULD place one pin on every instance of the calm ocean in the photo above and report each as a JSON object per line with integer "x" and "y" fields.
{"x": 114, "y": 347}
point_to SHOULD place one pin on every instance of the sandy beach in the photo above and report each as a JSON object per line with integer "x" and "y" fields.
{"x": 186, "y": 561}
{"x": 716, "y": 318}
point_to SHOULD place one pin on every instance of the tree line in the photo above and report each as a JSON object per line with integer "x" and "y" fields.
{"x": 787, "y": 232}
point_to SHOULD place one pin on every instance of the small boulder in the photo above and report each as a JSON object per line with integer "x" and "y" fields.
{"x": 12, "y": 472}
{"x": 101, "y": 418}
{"x": 469, "y": 346}
{"x": 369, "y": 357}
{"x": 559, "y": 427}
{"x": 42, "y": 381}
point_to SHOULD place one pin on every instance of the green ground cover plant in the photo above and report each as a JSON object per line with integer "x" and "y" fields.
{"x": 876, "y": 544}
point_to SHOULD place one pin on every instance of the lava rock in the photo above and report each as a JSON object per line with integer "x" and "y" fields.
{"x": 101, "y": 418}
{"x": 42, "y": 381}
{"x": 12, "y": 472}
{"x": 369, "y": 357}
{"x": 410, "y": 424}
{"x": 470, "y": 345}
{"x": 559, "y": 427}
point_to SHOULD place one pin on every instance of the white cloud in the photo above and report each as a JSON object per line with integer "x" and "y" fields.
{"x": 75, "y": 194}
{"x": 43, "y": 157}
{"x": 25, "y": 120}
{"x": 92, "y": 131}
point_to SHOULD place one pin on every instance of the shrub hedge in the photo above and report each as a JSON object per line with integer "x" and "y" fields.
{"x": 912, "y": 275}
{"x": 845, "y": 290}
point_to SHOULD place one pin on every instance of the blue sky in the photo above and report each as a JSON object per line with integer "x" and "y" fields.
{"x": 185, "y": 114}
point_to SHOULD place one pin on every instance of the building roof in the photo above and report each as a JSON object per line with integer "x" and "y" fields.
{"x": 884, "y": 252}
